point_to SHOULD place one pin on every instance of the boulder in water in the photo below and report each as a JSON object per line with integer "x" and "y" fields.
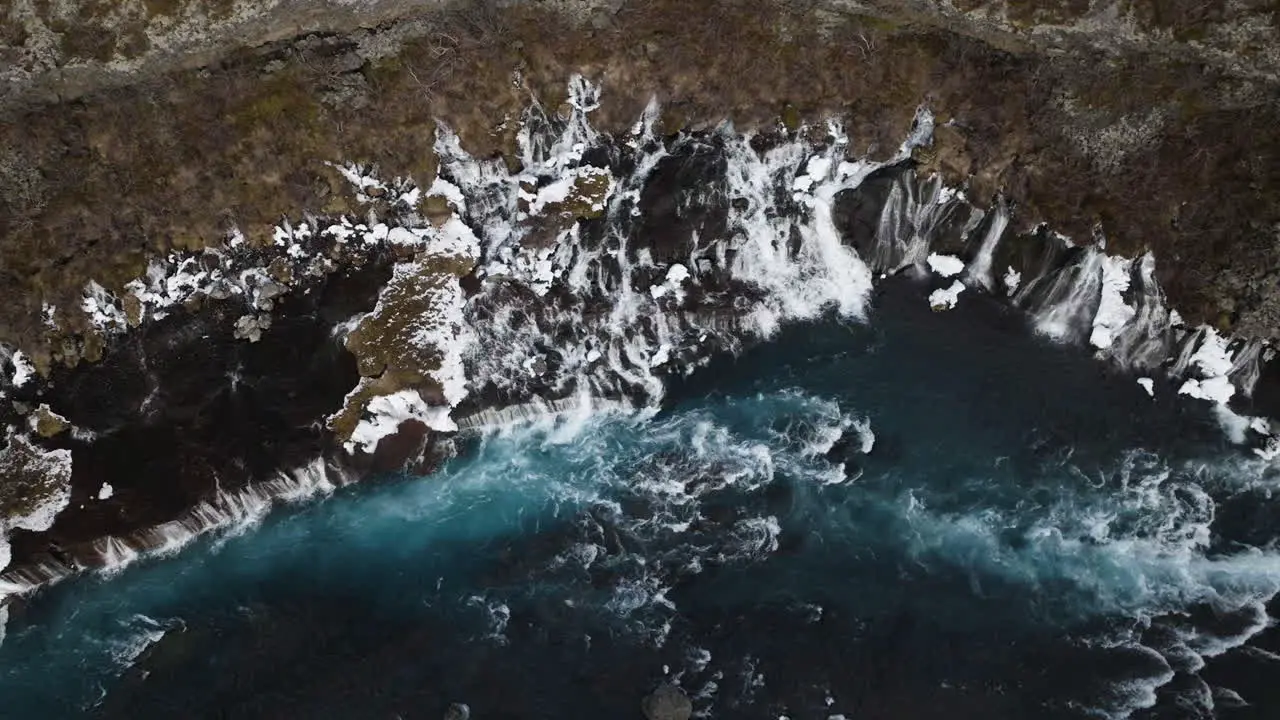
{"x": 668, "y": 702}
{"x": 458, "y": 711}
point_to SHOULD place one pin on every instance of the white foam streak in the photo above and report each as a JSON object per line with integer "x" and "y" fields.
{"x": 979, "y": 269}
{"x": 1071, "y": 299}
{"x": 233, "y": 511}
{"x": 143, "y": 633}
{"x": 1112, "y": 313}
{"x": 823, "y": 272}
{"x": 568, "y": 415}
{"x": 913, "y": 215}
{"x": 1144, "y": 340}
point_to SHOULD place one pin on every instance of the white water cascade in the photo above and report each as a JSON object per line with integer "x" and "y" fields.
{"x": 605, "y": 306}
{"x": 606, "y": 265}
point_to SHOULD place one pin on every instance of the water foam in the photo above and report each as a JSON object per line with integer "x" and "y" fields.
{"x": 229, "y": 512}
{"x": 599, "y": 305}
{"x": 1130, "y": 540}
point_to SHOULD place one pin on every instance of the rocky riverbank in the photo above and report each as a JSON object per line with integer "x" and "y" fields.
{"x": 230, "y": 261}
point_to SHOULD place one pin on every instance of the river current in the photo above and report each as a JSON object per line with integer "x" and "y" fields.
{"x": 921, "y": 515}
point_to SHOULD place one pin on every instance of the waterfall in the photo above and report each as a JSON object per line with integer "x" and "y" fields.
{"x": 234, "y": 510}
{"x": 603, "y": 266}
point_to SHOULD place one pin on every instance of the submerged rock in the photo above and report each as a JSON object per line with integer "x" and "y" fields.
{"x": 458, "y": 711}
{"x": 668, "y": 702}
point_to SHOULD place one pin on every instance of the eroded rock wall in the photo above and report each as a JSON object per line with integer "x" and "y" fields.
{"x": 1148, "y": 126}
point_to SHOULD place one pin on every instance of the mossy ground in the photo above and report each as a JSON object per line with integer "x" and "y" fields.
{"x": 29, "y": 482}
{"x": 47, "y": 423}
{"x": 388, "y": 343}
{"x": 94, "y": 187}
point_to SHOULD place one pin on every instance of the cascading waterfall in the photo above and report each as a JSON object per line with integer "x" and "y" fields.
{"x": 610, "y": 304}
{"x": 610, "y": 269}
{"x": 226, "y": 512}
{"x": 602, "y": 310}
{"x": 777, "y": 257}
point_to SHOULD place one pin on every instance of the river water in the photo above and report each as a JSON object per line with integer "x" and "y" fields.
{"x": 921, "y": 515}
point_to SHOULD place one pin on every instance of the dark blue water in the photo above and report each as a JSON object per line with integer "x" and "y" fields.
{"x": 1027, "y": 535}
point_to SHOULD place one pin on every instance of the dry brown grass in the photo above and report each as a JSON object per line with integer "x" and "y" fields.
{"x": 95, "y": 186}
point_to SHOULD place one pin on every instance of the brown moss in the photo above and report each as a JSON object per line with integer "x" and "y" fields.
{"x": 47, "y": 423}
{"x": 85, "y": 40}
{"x": 386, "y": 338}
{"x": 281, "y": 270}
{"x": 280, "y": 100}
{"x": 31, "y": 477}
{"x": 1187, "y": 20}
{"x": 132, "y": 309}
{"x": 791, "y": 118}
{"x": 1024, "y": 13}
{"x": 586, "y": 200}
{"x": 162, "y": 7}
{"x": 179, "y": 161}
{"x": 387, "y": 343}
{"x": 93, "y": 346}
{"x": 436, "y": 209}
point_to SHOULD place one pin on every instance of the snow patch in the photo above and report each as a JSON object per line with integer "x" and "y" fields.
{"x": 1213, "y": 360}
{"x": 451, "y": 193}
{"x": 100, "y": 307}
{"x": 370, "y": 188}
{"x": 817, "y": 170}
{"x": 1149, "y": 385}
{"x": 562, "y": 190}
{"x": 385, "y": 413}
{"x": 946, "y": 298}
{"x": 23, "y": 370}
{"x": 661, "y": 357}
{"x": 1012, "y": 279}
{"x": 676, "y": 275}
{"x": 945, "y": 265}
{"x": 1215, "y": 389}
{"x": 1212, "y": 357}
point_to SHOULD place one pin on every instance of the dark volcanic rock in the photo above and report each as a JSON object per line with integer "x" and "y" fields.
{"x": 857, "y": 212}
{"x": 675, "y": 202}
{"x": 181, "y": 409}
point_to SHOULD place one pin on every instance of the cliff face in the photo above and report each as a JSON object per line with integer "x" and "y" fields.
{"x": 136, "y": 126}
{"x": 136, "y": 130}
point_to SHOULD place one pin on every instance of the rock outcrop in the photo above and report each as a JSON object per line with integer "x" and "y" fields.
{"x": 668, "y": 702}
